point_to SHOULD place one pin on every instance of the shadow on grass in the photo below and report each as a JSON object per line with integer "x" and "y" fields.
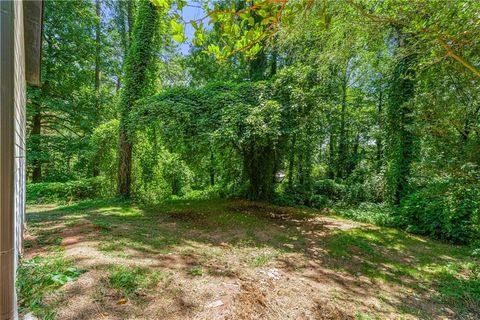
{"x": 428, "y": 277}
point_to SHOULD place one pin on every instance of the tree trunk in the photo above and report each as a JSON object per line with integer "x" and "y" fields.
{"x": 212, "y": 169}
{"x": 130, "y": 18}
{"x": 97, "y": 50}
{"x": 301, "y": 177}
{"x": 307, "y": 171}
{"x": 36, "y": 148}
{"x": 125, "y": 165}
{"x": 95, "y": 169}
{"x": 138, "y": 62}
{"x": 342, "y": 142}
{"x": 400, "y": 120}
{"x": 259, "y": 167}
{"x": 331, "y": 155}
{"x": 379, "y": 142}
{"x": 291, "y": 162}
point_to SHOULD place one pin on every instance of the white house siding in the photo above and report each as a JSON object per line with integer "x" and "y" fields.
{"x": 6, "y": 158}
{"x": 20, "y": 102}
{"x": 12, "y": 143}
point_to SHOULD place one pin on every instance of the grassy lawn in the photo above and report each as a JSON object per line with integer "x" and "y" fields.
{"x": 221, "y": 259}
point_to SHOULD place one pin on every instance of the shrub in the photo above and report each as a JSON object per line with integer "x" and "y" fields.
{"x": 319, "y": 202}
{"x": 379, "y": 214}
{"x": 329, "y": 188}
{"x": 284, "y": 199}
{"x": 445, "y": 210}
{"x": 363, "y": 186}
{"x": 210, "y": 192}
{"x": 300, "y": 195}
{"x": 49, "y": 192}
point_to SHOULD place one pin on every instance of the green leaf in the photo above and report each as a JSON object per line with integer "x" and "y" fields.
{"x": 181, "y": 4}
{"x": 177, "y": 28}
{"x": 163, "y": 4}
{"x": 194, "y": 24}
{"x": 179, "y": 38}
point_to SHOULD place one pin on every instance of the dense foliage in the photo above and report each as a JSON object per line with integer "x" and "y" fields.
{"x": 48, "y": 192}
{"x": 345, "y": 105}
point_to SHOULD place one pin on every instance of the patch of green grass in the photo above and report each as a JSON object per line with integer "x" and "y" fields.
{"x": 228, "y": 219}
{"x": 378, "y": 214}
{"x": 262, "y": 259}
{"x": 391, "y": 255}
{"x": 133, "y": 280}
{"x": 49, "y": 239}
{"x": 362, "y": 316}
{"x": 108, "y": 247}
{"x": 72, "y": 222}
{"x": 40, "y": 276}
{"x": 459, "y": 284}
{"x": 103, "y": 225}
{"x": 113, "y": 249}
{"x": 146, "y": 238}
{"x": 46, "y": 239}
{"x": 195, "y": 271}
{"x": 345, "y": 244}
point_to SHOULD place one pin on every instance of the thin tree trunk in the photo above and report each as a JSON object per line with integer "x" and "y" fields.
{"x": 36, "y": 135}
{"x": 95, "y": 169}
{"x": 130, "y": 20}
{"x": 97, "y": 50}
{"x": 331, "y": 155}
{"x": 291, "y": 163}
{"x": 379, "y": 141}
{"x": 125, "y": 164}
{"x": 301, "y": 175}
{"x": 212, "y": 169}
{"x": 342, "y": 143}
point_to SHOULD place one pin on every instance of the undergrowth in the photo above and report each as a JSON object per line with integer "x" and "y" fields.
{"x": 40, "y": 277}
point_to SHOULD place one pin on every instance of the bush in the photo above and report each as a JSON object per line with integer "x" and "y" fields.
{"x": 49, "y": 192}
{"x": 284, "y": 199}
{"x": 210, "y": 192}
{"x": 329, "y": 188}
{"x": 379, "y": 214}
{"x": 444, "y": 210}
{"x": 319, "y": 202}
{"x": 300, "y": 195}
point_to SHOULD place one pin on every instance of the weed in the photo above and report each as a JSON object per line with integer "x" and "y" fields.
{"x": 195, "y": 271}
{"x": 132, "y": 281}
{"x": 262, "y": 259}
{"x": 40, "y": 276}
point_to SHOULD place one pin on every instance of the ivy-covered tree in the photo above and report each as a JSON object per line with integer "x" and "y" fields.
{"x": 139, "y": 67}
{"x": 401, "y": 143}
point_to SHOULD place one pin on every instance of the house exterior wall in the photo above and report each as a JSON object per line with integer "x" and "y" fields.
{"x": 7, "y": 93}
{"x": 12, "y": 150}
{"x": 19, "y": 124}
